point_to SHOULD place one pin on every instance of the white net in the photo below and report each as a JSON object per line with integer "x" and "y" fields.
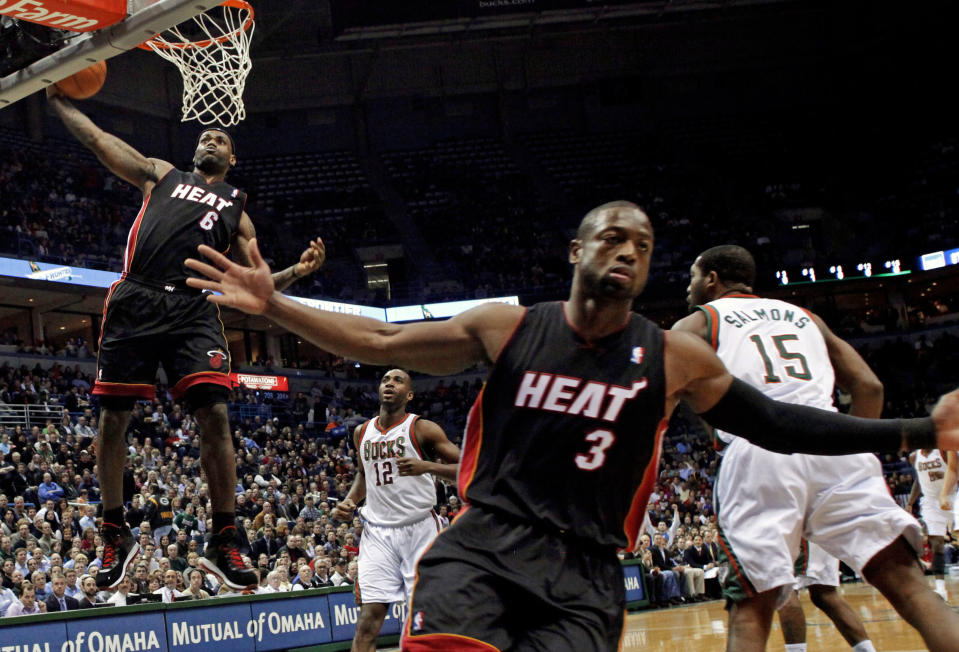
{"x": 212, "y": 53}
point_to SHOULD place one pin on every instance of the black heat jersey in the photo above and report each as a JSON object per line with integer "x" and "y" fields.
{"x": 181, "y": 212}
{"x": 567, "y": 433}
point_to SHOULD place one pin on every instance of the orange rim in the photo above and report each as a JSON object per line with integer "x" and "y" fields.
{"x": 236, "y": 4}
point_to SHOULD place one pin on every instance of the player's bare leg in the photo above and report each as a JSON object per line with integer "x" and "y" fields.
{"x": 221, "y": 557}
{"x": 895, "y": 571}
{"x": 793, "y": 623}
{"x": 839, "y": 612}
{"x": 938, "y": 545}
{"x": 750, "y": 622}
{"x": 372, "y": 615}
{"x": 120, "y": 549}
{"x": 216, "y": 456}
{"x": 111, "y": 456}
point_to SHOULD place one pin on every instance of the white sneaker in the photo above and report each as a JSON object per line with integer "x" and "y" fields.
{"x": 943, "y": 594}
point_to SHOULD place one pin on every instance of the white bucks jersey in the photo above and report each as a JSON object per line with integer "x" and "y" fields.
{"x": 774, "y": 346}
{"x": 391, "y": 499}
{"x": 931, "y": 470}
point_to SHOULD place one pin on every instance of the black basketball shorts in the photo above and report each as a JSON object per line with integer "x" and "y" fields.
{"x": 144, "y": 327}
{"x": 491, "y": 583}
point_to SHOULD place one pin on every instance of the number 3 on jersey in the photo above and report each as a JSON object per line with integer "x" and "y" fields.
{"x": 595, "y": 457}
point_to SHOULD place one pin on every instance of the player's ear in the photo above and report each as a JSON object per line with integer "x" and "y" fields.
{"x": 232, "y": 160}
{"x": 575, "y": 250}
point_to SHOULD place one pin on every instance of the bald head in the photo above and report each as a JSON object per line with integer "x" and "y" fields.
{"x": 591, "y": 221}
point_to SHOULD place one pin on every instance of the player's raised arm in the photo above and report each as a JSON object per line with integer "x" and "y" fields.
{"x": 445, "y": 347}
{"x": 696, "y": 375}
{"x": 310, "y": 260}
{"x": 118, "y": 156}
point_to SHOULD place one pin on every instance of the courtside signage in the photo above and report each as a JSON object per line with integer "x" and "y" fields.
{"x": 139, "y": 632}
{"x": 222, "y": 629}
{"x": 634, "y": 583}
{"x": 284, "y": 624}
{"x": 259, "y": 381}
{"x": 39, "y": 637}
{"x": 344, "y": 613}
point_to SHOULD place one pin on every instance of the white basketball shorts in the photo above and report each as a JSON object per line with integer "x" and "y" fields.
{"x": 815, "y": 566}
{"x": 388, "y": 556}
{"x": 767, "y": 502}
{"x": 937, "y": 520}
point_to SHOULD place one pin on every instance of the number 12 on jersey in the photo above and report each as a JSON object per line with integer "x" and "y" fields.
{"x": 387, "y": 472}
{"x": 799, "y": 370}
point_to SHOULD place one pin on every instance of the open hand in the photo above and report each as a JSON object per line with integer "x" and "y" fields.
{"x": 311, "y": 259}
{"x": 245, "y": 288}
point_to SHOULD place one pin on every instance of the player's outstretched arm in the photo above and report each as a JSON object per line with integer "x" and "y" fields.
{"x": 118, "y": 156}
{"x": 696, "y": 375}
{"x": 441, "y": 347}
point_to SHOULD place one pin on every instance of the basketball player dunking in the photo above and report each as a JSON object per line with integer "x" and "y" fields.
{"x": 935, "y": 506}
{"x": 767, "y": 502}
{"x": 151, "y": 317}
{"x": 395, "y": 476}
{"x": 562, "y": 445}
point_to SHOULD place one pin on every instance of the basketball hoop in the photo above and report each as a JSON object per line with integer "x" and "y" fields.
{"x": 212, "y": 53}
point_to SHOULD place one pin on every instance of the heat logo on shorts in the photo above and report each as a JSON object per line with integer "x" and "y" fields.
{"x": 216, "y": 359}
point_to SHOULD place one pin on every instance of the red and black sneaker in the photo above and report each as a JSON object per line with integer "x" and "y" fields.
{"x": 223, "y": 559}
{"x": 120, "y": 550}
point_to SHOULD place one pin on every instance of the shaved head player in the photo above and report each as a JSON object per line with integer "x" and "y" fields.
{"x": 562, "y": 444}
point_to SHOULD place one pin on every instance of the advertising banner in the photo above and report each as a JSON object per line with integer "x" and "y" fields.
{"x": 215, "y": 629}
{"x": 138, "y": 632}
{"x": 299, "y": 622}
{"x": 262, "y": 381}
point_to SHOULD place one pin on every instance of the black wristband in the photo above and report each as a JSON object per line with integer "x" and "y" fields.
{"x": 918, "y": 434}
{"x": 788, "y": 428}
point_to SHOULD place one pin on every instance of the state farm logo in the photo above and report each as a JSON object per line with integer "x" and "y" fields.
{"x": 36, "y": 11}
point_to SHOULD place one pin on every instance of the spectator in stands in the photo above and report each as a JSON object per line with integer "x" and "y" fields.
{"x": 195, "y": 589}
{"x": 88, "y": 592}
{"x": 48, "y": 489}
{"x": 663, "y": 563}
{"x": 123, "y": 591}
{"x": 7, "y": 598}
{"x": 340, "y": 574}
{"x": 169, "y": 590}
{"x": 272, "y": 584}
{"x": 58, "y": 600}
{"x": 27, "y": 604}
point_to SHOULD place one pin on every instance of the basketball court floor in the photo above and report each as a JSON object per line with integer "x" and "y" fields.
{"x": 702, "y": 627}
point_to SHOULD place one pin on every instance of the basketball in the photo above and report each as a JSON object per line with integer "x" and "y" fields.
{"x": 86, "y": 83}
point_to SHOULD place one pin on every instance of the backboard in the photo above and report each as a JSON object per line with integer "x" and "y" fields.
{"x": 144, "y": 19}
